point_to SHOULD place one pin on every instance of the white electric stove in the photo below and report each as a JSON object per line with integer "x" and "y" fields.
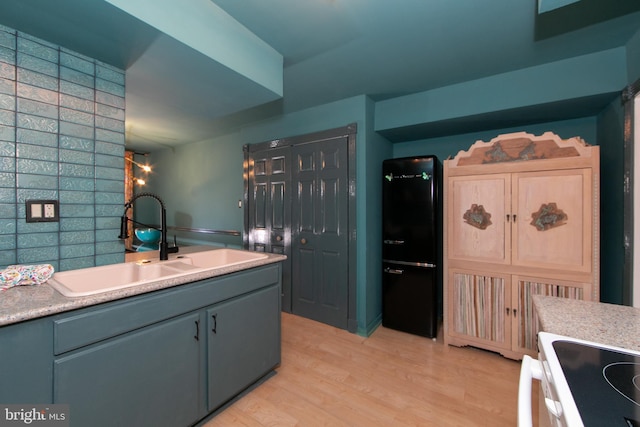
{"x": 584, "y": 383}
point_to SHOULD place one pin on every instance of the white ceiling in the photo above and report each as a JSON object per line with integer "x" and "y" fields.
{"x": 332, "y": 49}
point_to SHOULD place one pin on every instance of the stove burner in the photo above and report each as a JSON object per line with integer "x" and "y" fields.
{"x": 624, "y": 377}
{"x": 604, "y": 383}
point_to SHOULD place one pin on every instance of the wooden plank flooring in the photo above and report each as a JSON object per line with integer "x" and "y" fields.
{"x": 330, "y": 377}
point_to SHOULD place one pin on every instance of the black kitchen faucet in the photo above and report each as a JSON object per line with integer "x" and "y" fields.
{"x": 165, "y": 250}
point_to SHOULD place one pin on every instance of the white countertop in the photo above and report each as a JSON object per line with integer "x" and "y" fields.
{"x": 22, "y": 303}
{"x": 610, "y": 324}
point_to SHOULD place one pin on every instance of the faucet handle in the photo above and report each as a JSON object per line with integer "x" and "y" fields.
{"x": 173, "y": 249}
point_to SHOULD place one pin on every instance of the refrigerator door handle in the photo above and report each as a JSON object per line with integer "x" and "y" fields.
{"x": 393, "y": 271}
{"x": 394, "y": 242}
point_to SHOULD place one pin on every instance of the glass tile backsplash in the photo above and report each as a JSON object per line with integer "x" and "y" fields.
{"x": 62, "y": 138}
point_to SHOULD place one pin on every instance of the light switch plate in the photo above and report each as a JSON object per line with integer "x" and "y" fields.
{"x": 42, "y": 211}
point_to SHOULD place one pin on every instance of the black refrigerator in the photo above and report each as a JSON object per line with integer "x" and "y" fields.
{"x": 411, "y": 253}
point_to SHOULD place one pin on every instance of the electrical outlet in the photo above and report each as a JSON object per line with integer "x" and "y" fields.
{"x": 49, "y": 210}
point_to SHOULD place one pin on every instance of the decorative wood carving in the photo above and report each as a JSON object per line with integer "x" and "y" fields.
{"x": 477, "y": 217}
{"x": 548, "y": 217}
{"x": 519, "y": 147}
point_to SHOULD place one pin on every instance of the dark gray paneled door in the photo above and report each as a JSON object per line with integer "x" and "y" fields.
{"x": 297, "y": 203}
{"x": 269, "y": 209}
{"x": 319, "y": 225}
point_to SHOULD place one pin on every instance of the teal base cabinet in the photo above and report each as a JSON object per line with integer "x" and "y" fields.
{"x": 26, "y": 371}
{"x": 150, "y": 377}
{"x": 166, "y": 358}
{"x": 248, "y": 344}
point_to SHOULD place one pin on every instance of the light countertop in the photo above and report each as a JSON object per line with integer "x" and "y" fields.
{"x": 610, "y": 324}
{"x": 22, "y": 303}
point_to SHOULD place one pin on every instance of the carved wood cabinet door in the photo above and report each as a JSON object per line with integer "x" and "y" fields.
{"x": 553, "y": 227}
{"x": 478, "y": 208}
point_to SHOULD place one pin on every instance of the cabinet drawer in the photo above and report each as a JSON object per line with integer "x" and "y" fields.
{"x": 94, "y": 324}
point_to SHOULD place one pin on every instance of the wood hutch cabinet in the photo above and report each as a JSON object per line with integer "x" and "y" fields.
{"x": 521, "y": 215}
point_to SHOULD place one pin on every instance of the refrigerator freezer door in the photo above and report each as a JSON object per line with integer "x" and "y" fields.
{"x": 408, "y": 300}
{"x": 409, "y": 211}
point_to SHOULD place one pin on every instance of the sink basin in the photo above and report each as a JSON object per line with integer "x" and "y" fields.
{"x": 217, "y": 258}
{"x": 94, "y": 280}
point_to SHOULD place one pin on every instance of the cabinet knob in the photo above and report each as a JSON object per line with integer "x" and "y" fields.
{"x": 278, "y": 238}
{"x": 303, "y": 241}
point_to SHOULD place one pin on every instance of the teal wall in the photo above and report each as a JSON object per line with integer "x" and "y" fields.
{"x": 61, "y": 138}
{"x": 200, "y": 184}
{"x": 633, "y": 58}
{"x": 611, "y": 140}
{"x": 369, "y": 225}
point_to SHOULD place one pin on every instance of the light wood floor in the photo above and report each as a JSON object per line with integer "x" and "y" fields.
{"x": 330, "y": 377}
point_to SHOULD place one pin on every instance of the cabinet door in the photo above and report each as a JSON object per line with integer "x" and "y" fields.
{"x": 146, "y": 378}
{"x": 479, "y": 310}
{"x": 25, "y": 361}
{"x": 243, "y": 343}
{"x": 525, "y": 319}
{"x": 553, "y": 228}
{"x": 477, "y": 213}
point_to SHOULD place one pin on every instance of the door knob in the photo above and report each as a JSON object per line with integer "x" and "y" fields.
{"x": 303, "y": 241}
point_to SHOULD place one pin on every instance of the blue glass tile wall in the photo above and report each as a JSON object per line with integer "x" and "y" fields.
{"x": 61, "y": 137}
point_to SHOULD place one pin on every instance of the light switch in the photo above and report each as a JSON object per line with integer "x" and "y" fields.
{"x": 36, "y": 210}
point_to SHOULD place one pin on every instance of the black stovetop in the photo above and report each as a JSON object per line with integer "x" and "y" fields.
{"x": 605, "y": 384}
